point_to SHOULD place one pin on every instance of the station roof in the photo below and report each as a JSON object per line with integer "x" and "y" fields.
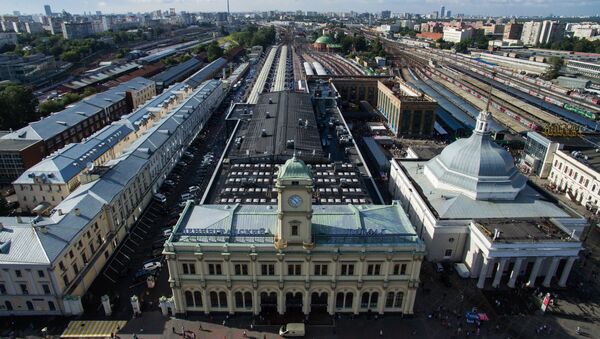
{"x": 277, "y": 119}
{"x": 331, "y": 225}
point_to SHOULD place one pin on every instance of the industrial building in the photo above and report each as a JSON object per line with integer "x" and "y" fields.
{"x": 407, "y": 111}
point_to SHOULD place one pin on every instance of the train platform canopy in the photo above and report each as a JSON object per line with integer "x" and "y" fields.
{"x": 92, "y": 328}
{"x": 281, "y": 123}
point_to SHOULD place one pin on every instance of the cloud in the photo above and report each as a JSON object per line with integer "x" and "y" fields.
{"x": 102, "y": 4}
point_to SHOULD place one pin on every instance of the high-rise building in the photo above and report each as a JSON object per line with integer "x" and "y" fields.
{"x": 76, "y": 30}
{"x": 512, "y": 31}
{"x": 531, "y": 33}
{"x": 442, "y": 12}
{"x": 551, "y": 31}
{"x": 48, "y": 10}
{"x": 386, "y": 14}
{"x": 448, "y": 13}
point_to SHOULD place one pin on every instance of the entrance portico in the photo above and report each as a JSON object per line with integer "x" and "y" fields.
{"x": 501, "y": 254}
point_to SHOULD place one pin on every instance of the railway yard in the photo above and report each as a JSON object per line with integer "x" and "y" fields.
{"x": 462, "y": 85}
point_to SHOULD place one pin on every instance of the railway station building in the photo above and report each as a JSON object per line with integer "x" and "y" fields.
{"x": 294, "y": 257}
{"x": 292, "y": 222}
{"x": 471, "y": 206}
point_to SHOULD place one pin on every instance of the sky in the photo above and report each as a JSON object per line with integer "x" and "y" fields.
{"x": 484, "y": 7}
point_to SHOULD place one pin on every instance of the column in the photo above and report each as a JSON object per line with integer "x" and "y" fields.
{"x": 535, "y": 271}
{"x": 566, "y": 271}
{"x": 256, "y": 302}
{"x": 381, "y": 302}
{"x": 515, "y": 272}
{"x": 334, "y": 268}
{"x": 484, "y": 270}
{"x": 551, "y": 271}
{"x": 409, "y": 301}
{"x": 499, "y": 272}
{"x": 356, "y": 302}
{"x": 280, "y": 302}
{"x": 331, "y": 302}
{"x": 305, "y": 303}
{"x": 230, "y": 301}
{"x": 205, "y": 301}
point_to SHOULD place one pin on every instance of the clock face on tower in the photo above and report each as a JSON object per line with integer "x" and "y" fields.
{"x": 295, "y": 200}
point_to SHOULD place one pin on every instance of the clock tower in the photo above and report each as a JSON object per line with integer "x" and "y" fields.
{"x": 294, "y": 205}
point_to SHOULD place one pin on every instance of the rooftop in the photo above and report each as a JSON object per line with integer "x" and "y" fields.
{"x": 588, "y": 157}
{"x": 522, "y": 230}
{"x": 450, "y": 205}
{"x": 256, "y": 225}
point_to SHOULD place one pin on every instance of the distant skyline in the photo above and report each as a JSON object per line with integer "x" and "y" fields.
{"x": 469, "y": 7}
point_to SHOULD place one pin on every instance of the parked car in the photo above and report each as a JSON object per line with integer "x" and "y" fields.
{"x": 172, "y": 222}
{"x": 167, "y": 232}
{"x": 153, "y": 265}
{"x": 160, "y": 197}
{"x": 186, "y": 196}
{"x": 193, "y": 189}
{"x": 169, "y": 182}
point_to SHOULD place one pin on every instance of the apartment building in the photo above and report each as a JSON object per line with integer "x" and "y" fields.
{"x": 47, "y": 183}
{"x": 72, "y": 245}
{"x": 70, "y": 125}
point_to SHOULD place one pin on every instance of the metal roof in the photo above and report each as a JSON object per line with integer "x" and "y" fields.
{"x": 331, "y": 224}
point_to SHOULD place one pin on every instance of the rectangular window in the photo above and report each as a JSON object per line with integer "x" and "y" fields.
{"x": 295, "y": 269}
{"x": 294, "y": 230}
{"x": 240, "y": 269}
{"x": 347, "y": 269}
{"x": 2, "y": 289}
{"x": 214, "y": 269}
{"x": 373, "y": 269}
{"x": 66, "y": 280}
{"x": 75, "y": 268}
{"x": 267, "y": 269}
{"x": 40, "y": 273}
{"x": 399, "y": 269}
{"x": 320, "y": 269}
{"x": 46, "y": 288}
{"x": 71, "y": 254}
{"x": 24, "y": 289}
{"x": 188, "y": 268}
{"x": 18, "y": 273}
{"x": 448, "y": 253}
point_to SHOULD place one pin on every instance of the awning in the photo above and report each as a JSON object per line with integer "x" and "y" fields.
{"x": 92, "y": 328}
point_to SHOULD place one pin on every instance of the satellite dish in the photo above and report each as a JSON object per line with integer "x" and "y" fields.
{"x": 89, "y": 166}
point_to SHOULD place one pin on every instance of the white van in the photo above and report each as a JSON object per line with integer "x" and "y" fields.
{"x": 292, "y": 330}
{"x": 160, "y": 197}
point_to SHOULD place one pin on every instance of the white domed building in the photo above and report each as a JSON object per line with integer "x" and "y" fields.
{"x": 471, "y": 205}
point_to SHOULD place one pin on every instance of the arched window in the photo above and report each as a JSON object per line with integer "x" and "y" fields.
{"x": 29, "y": 305}
{"x": 8, "y": 305}
{"x": 364, "y": 301}
{"x": 222, "y": 299}
{"x": 51, "y": 306}
{"x": 239, "y": 300}
{"x": 374, "y": 298}
{"x": 248, "y": 300}
{"x": 198, "y": 298}
{"x": 339, "y": 300}
{"x": 349, "y": 300}
{"x": 214, "y": 299}
{"x": 189, "y": 299}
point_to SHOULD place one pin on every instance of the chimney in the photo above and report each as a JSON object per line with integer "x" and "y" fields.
{"x": 19, "y": 220}
{"x": 77, "y": 211}
{"x": 60, "y": 212}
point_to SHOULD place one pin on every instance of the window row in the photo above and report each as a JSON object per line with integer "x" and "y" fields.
{"x": 294, "y": 269}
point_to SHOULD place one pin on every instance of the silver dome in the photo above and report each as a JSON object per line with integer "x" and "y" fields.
{"x": 476, "y": 167}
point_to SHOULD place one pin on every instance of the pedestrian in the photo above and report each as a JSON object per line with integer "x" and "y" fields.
{"x": 252, "y": 326}
{"x": 381, "y": 333}
{"x": 173, "y": 329}
{"x": 224, "y": 321}
{"x": 244, "y": 334}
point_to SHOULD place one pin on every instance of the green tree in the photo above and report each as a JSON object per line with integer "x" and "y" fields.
{"x": 554, "y": 70}
{"x": 18, "y": 106}
{"x": 214, "y": 51}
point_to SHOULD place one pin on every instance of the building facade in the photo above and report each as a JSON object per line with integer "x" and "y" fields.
{"x": 76, "y": 30}
{"x": 531, "y": 33}
{"x": 470, "y": 205}
{"x": 72, "y": 245}
{"x": 293, "y": 258}
{"x": 407, "y": 112}
{"x": 576, "y": 174}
